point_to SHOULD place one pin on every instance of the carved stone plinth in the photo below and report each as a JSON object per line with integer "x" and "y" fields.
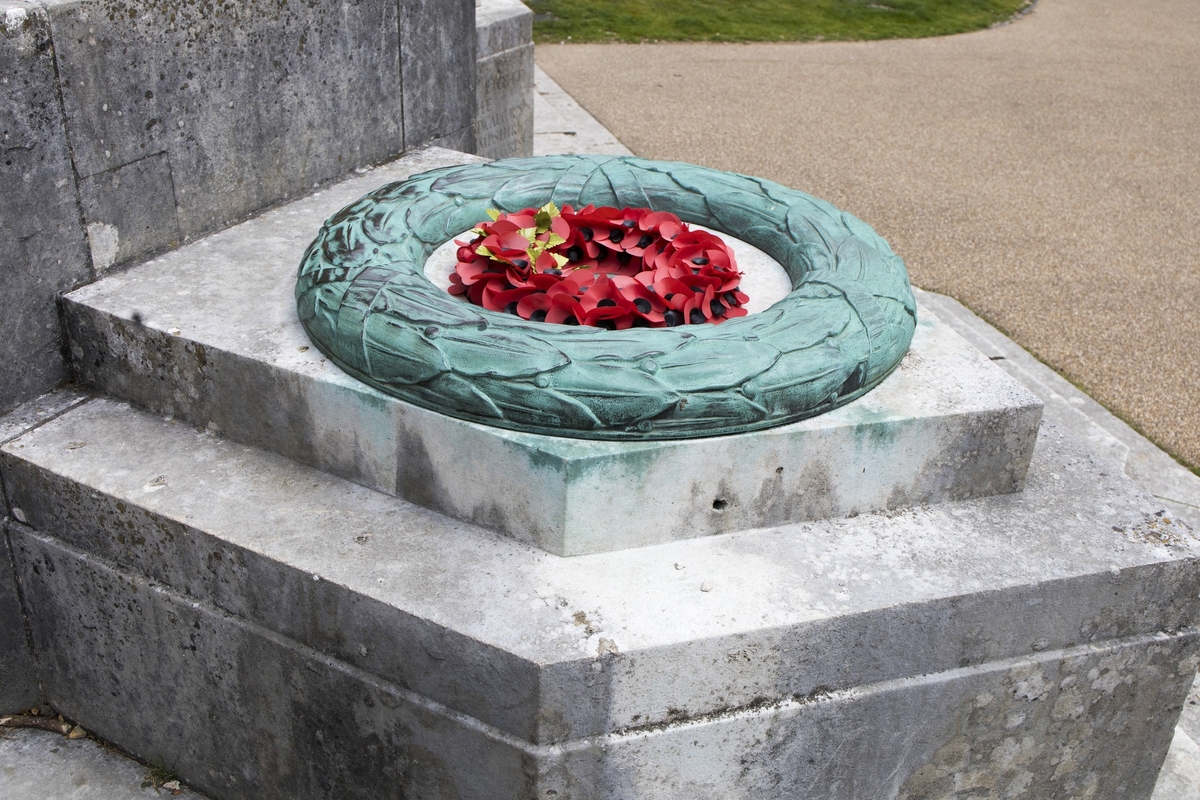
{"x": 947, "y": 424}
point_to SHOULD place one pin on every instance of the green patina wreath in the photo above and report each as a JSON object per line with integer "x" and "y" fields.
{"x": 364, "y": 299}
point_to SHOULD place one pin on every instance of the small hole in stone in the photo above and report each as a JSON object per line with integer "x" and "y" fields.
{"x": 779, "y": 470}
{"x": 719, "y": 504}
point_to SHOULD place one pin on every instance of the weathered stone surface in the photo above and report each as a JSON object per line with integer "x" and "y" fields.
{"x": 504, "y": 127}
{"x": 42, "y": 764}
{"x": 899, "y": 654}
{"x": 130, "y": 211}
{"x": 271, "y": 719}
{"x": 29, "y": 415}
{"x": 504, "y": 79}
{"x": 19, "y": 687}
{"x": 1150, "y": 467}
{"x": 561, "y": 125}
{"x": 43, "y": 250}
{"x": 184, "y": 118}
{"x": 18, "y": 676}
{"x": 947, "y": 425}
{"x": 242, "y": 105}
{"x": 437, "y": 51}
{"x": 501, "y": 25}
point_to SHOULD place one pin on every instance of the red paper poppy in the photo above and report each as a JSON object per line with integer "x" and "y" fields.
{"x": 602, "y": 266}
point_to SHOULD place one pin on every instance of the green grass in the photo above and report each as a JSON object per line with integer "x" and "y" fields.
{"x": 159, "y": 774}
{"x": 760, "y": 20}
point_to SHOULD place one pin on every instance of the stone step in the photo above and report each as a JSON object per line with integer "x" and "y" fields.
{"x": 208, "y": 334}
{"x": 270, "y": 630}
{"x": 1148, "y": 465}
{"x": 39, "y": 765}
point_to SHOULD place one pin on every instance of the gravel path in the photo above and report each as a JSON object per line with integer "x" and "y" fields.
{"x": 1046, "y": 173}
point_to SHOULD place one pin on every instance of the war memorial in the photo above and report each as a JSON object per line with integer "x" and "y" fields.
{"x": 286, "y": 514}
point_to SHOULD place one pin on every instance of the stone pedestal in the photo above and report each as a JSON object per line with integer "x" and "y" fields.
{"x": 271, "y": 630}
{"x": 947, "y": 425}
{"x": 274, "y": 630}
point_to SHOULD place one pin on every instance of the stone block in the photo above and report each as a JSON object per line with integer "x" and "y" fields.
{"x": 461, "y": 140}
{"x": 240, "y": 106}
{"x": 130, "y": 211}
{"x": 131, "y": 126}
{"x": 19, "y": 685}
{"x": 43, "y": 250}
{"x": 305, "y": 726}
{"x": 504, "y": 79}
{"x": 277, "y": 632}
{"x": 18, "y": 674}
{"x": 216, "y": 319}
{"x": 437, "y": 52}
{"x": 504, "y": 127}
{"x": 501, "y": 25}
{"x": 46, "y": 764}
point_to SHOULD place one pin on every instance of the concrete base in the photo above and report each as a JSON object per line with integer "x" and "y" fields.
{"x": 217, "y": 320}
{"x": 18, "y": 675}
{"x": 275, "y": 632}
{"x": 1014, "y": 765}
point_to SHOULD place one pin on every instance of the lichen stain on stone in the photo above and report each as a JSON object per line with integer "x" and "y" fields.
{"x": 201, "y": 355}
{"x": 1054, "y": 730}
{"x": 419, "y": 481}
{"x": 538, "y": 459}
{"x": 1161, "y": 528}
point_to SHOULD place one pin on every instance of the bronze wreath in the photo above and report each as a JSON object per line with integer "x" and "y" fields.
{"x": 365, "y": 302}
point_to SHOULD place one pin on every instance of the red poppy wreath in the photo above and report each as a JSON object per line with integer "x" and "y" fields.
{"x": 610, "y": 268}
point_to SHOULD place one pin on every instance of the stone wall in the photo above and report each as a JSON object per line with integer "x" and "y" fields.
{"x": 504, "y": 82}
{"x": 18, "y": 680}
{"x": 43, "y": 249}
{"x": 130, "y": 126}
